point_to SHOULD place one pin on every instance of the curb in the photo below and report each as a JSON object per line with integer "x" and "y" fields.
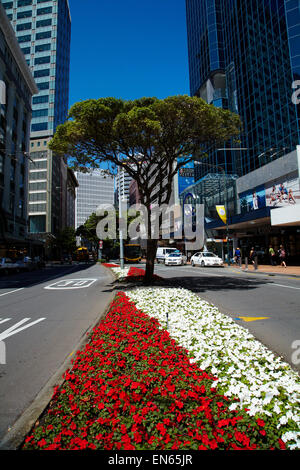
{"x": 15, "y": 437}
{"x": 266, "y": 273}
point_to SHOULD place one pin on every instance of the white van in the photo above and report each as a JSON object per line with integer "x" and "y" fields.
{"x": 162, "y": 252}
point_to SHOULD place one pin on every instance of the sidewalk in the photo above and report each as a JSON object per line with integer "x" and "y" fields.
{"x": 267, "y": 269}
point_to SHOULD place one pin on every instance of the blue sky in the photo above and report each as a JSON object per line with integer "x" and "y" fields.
{"x": 128, "y": 49}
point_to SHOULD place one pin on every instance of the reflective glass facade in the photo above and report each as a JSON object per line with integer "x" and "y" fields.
{"x": 245, "y": 56}
{"x": 43, "y": 29}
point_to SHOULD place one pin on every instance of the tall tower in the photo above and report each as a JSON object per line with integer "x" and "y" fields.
{"x": 245, "y": 56}
{"x": 43, "y": 29}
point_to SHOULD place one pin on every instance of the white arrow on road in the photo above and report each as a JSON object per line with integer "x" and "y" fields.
{"x": 17, "y": 327}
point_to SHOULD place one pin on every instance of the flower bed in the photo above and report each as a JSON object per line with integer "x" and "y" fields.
{"x": 129, "y": 273}
{"x": 133, "y": 387}
{"x": 262, "y": 382}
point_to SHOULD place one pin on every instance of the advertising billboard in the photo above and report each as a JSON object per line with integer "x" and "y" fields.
{"x": 283, "y": 194}
{"x": 253, "y": 199}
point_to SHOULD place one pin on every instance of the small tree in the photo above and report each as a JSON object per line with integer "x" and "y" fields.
{"x": 148, "y": 130}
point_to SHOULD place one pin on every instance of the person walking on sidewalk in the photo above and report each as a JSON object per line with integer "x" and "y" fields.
{"x": 272, "y": 256}
{"x": 237, "y": 254}
{"x": 252, "y": 256}
{"x": 282, "y": 256}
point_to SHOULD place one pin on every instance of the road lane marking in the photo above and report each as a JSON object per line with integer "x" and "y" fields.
{"x": 71, "y": 284}
{"x": 282, "y": 285}
{"x": 11, "y": 291}
{"x": 248, "y": 319}
{"x": 17, "y": 328}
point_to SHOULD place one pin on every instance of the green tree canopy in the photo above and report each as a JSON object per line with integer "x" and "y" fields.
{"x": 146, "y": 137}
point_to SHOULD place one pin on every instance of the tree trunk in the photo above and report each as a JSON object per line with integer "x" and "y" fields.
{"x": 150, "y": 260}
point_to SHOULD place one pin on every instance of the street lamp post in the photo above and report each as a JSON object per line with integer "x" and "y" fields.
{"x": 120, "y": 228}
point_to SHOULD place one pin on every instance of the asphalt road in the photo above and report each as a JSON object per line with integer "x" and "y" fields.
{"x": 249, "y": 296}
{"x": 43, "y": 317}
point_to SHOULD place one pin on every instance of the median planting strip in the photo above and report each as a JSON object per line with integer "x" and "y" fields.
{"x": 206, "y": 383}
{"x": 247, "y": 370}
{"x": 133, "y": 387}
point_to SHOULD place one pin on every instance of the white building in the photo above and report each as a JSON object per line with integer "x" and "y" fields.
{"x": 94, "y": 188}
{"x": 122, "y": 183}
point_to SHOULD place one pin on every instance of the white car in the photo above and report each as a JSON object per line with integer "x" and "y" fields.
{"x": 206, "y": 258}
{"x": 175, "y": 259}
{"x": 162, "y": 252}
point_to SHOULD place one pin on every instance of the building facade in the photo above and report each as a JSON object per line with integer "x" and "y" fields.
{"x": 245, "y": 56}
{"x": 15, "y": 117}
{"x": 94, "y": 188}
{"x": 43, "y": 30}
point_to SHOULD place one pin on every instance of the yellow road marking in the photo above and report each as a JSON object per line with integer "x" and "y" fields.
{"x": 248, "y": 319}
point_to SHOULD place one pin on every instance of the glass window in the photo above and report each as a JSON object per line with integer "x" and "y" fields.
{"x": 42, "y": 73}
{"x": 26, "y": 38}
{"x": 24, "y": 14}
{"x": 24, "y": 3}
{"x": 43, "y": 85}
{"x": 40, "y": 99}
{"x": 26, "y": 50}
{"x": 8, "y": 5}
{"x": 37, "y": 223}
{"x": 44, "y": 35}
{"x": 42, "y": 23}
{"x": 39, "y": 113}
{"x": 42, "y": 47}
{"x": 42, "y": 60}
{"x": 23, "y": 26}
{"x": 44, "y": 11}
{"x": 41, "y": 126}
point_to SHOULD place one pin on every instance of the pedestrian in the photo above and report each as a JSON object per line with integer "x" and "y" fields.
{"x": 282, "y": 256}
{"x": 237, "y": 256}
{"x": 272, "y": 256}
{"x": 252, "y": 255}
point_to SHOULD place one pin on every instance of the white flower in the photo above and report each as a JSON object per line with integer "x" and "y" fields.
{"x": 244, "y": 367}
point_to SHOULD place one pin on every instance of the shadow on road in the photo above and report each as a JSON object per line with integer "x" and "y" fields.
{"x": 195, "y": 284}
{"x": 28, "y": 279}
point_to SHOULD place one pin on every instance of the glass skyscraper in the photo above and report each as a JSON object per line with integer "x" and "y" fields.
{"x": 43, "y": 29}
{"x": 245, "y": 56}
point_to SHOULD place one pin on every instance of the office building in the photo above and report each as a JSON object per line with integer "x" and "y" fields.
{"x": 17, "y": 88}
{"x": 43, "y": 30}
{"x": 245, "y": 56}
{"x": 94, "y": 188}
{"x": 122, "y": 183}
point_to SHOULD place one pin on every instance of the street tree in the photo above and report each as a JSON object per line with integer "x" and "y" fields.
{"x": 146, "y": 137}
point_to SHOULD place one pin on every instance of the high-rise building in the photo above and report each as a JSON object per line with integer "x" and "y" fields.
{"x": 17, "y": 86}
{"x": 43, "y": 29}
{"x": 95, "y": 188}
{"x": 245, "y": 56}
{"x": 122, "y": 183}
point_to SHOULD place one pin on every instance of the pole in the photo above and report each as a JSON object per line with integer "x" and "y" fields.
{"x": 226, "y": 210}
{"x": 120, "y": 229}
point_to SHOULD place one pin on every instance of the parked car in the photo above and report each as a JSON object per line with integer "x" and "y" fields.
{"x": 26, "y": 264}
{"x": 175, "y": 259}
{"x": 206, "y": 258}
{"x": 7, "y": 265}
{"x": 162, "y": 252}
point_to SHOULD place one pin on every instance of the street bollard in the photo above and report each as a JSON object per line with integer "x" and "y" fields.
{"x": 255, "y": 263}
{"x": 246, "y": 264}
